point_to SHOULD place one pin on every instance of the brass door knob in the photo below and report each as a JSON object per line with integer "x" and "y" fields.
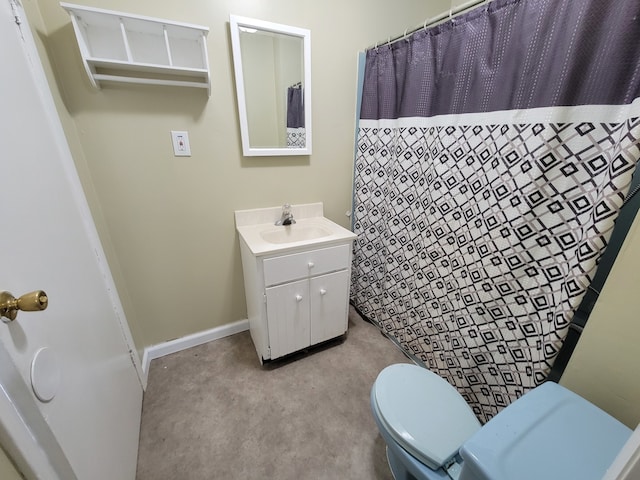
{"x": 29, "y": 302}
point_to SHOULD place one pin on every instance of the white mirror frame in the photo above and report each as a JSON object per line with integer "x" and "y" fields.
{"x": 235, "y": 23}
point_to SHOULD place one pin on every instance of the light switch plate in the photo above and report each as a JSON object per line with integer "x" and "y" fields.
{"x": 181, "y": 146}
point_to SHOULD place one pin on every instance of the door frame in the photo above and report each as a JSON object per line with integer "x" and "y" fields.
{"x": 24, "y": 433}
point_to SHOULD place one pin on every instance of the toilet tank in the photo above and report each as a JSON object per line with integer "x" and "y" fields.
{"x": 549, "y": 433}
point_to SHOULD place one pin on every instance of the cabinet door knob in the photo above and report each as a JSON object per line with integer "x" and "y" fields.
{"x": 311, "y": 264}
{"x": 323, "y": 291}
{"x": 298, "y": 298}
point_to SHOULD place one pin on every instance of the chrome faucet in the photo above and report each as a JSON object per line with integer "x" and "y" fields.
{"x": 287, "y": 216}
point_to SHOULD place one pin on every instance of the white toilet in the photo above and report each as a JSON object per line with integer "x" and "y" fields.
{"x": 431, "y": 433}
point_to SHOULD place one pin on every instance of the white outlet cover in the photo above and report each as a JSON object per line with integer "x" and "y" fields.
{"x": 180, "y": 141}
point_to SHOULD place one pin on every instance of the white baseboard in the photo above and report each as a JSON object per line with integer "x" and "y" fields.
{"x": 161, "y": 349}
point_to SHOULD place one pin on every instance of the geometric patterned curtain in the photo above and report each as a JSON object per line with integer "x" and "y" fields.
{"x": 296, "y": 131}
{"x": 482, "y": 213}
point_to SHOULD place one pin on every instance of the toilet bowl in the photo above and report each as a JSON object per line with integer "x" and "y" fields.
{"x": 431, "y": 433}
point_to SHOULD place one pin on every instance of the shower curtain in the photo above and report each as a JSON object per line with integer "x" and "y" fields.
{"x": 494, "y": 152}
{"x": 296, "y": 132}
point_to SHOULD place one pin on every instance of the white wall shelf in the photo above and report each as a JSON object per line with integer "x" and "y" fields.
{"x": 122, "y": 47}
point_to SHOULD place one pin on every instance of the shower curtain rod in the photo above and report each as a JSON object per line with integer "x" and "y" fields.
{"x": 432, "y": 22}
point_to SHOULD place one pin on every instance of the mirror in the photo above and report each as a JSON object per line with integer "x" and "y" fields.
{"x": 272, "y": 64}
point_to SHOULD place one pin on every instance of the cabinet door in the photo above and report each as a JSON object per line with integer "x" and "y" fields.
{"x": 329, "y": 305}
{"x": 288, "y": 317}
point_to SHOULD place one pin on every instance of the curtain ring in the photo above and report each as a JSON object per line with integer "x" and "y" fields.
{"x": 389, "y": 42}
{"x": 427, "y": 23}
{"x": 375, "y": 47}
{"x": 451, "y": 15}
{"x": 405, "y": 35}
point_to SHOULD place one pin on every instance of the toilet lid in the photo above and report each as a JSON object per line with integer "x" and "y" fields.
{"x": 423, "y": 413}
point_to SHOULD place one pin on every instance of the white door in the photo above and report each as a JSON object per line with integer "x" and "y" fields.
{"x": 90, "y": 392}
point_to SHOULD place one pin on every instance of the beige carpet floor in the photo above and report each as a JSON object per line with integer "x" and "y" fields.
{"x": 213, "y": 412}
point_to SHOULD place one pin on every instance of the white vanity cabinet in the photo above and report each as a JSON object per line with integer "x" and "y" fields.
{"x": 297, "y": 299}
{"x": 296, "y": 277}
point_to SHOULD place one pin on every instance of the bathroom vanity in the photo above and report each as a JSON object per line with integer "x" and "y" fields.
{"x": 296, "y": 278}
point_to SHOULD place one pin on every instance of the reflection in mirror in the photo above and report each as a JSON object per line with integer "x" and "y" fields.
{"x": 273, "y": 83}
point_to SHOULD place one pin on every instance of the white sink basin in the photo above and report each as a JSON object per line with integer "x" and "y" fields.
{"x": 258, "y": 230}
{"x": 294, "y": 233}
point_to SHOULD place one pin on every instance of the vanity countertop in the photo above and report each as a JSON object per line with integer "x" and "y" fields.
{"x": 258, "y": 230}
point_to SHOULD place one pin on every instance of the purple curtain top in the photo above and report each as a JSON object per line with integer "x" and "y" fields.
{"x": 499, "y": 57}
